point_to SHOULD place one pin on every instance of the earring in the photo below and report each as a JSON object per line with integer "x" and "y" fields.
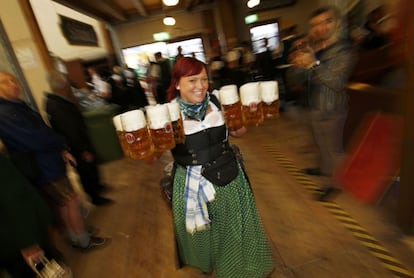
{"x": 178, "y": 87}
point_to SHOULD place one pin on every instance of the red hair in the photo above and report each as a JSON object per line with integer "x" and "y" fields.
{"x": 185, "y": 66}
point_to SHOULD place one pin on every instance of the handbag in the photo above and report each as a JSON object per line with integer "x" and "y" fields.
{"x": 46, "y": 268}
{"x": 222, "y": 170}
{"x": 166, "y": 184}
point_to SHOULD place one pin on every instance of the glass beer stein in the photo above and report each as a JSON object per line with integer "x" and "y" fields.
{"x": 269, "y": 93}
{"x": 231, "y": 107}
{"x": 137, "y": 135}
{"x": 252, "y": 106}
{"x": 176, "y": 121}
{"x": 121, "y": 135}
{"x": 160, "y": 127}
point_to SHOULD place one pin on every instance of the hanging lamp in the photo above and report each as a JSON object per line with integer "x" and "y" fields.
{"x": 169, "y": 20}
{"x": 170, "y": 2}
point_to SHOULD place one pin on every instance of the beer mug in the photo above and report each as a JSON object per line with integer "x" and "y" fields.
{"x": 137, "y": 135}
{"x": 121, "y": 135}
{"x": 269, "y": 93}
{"x": 252, "y": 106}
{"x": 231, "y": 107}
{"x": 176, "y": 121}
{"x": 160, "y": 127}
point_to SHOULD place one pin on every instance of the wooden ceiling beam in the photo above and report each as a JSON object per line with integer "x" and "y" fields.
{"x": 111, "y": 8}
{"x": 140, "y": 7}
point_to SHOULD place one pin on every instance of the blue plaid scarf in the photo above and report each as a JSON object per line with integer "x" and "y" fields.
{"x": 194, "y": 111}
{"x": 198, "y": 192}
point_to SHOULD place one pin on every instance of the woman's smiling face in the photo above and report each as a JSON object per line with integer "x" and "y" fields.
{"x": 193, "y": 88}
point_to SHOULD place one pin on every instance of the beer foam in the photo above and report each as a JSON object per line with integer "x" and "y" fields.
{"x": 249, "y": 93}
{"x": 269, "y": 91}
{"x": 157, "y": 116}
{"x": 133, "y": 120}
{"x": 117, "y": 122}
{"x": 228, "y": 94}
{"x": 174, "y": 110}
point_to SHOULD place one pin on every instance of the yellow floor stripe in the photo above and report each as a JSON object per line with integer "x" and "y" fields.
{"x": 386, "y": 257}
{"x": 353, "y": 227}
{"x": 366, "y": 236}
{"x": 374, "y": 246}
{"x": 399, "y": 270}
{"x": 346, "y": 218}
{"x": 367, "y": 240}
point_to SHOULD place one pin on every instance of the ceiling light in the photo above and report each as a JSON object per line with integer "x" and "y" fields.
{"x": 169, "y": 20}
{"x": 253, "y": 3}
{"x": 170, "y": 2}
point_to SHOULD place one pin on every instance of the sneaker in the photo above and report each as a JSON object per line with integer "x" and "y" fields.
{"x": 94, "y": 243}
{"x": 327, "y": 194}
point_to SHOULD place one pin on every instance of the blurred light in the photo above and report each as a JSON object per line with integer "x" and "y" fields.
{"x": 251, "y": 18}
{"x": 170, "y": 2}
{"x": 162, "y": 36}
{"x": 253, "y": 3}
{"x": 169, "y": 20}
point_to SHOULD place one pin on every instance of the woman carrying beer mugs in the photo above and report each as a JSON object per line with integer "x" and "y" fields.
{"x": 215, "y": 217}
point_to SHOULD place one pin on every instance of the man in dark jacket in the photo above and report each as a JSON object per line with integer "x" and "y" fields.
{"x": 164, "y": 77}
{"x": 25, "y": 135}
{"x": 328, "y": 64}
{"x": 67, "y": 120}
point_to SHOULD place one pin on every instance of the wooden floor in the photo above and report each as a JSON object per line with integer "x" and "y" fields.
{"x": 308, "y": 240}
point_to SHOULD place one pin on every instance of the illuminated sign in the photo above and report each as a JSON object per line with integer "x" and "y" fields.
{"x": 251, "y": 18}
{"x": 162, "y": 36}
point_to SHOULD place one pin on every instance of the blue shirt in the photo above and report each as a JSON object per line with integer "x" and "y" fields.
{"x": 23, "y": 131}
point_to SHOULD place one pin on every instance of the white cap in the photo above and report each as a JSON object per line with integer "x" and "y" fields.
{"x": 174, "y": 110}
{"x": 228, "y": 94}
{"x": 117, "y": 122}
{"x": 249, "y": 93}
{"x": 158, "y": 116}
{"x": 269, "y": 91}
{"x": 133, "y": 120}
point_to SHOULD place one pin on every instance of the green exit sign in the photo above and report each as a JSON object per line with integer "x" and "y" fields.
{"x": 162, "y": 36}
{"x": 251, "y": 18}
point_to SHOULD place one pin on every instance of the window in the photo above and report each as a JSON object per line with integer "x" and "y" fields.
{"x": 138, "y": 57}
{"x": 260, "y": 33}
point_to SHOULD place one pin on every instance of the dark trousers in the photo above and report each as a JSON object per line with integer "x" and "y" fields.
{"x": 327, "y": 128}
{"x": 161, "y": 93}
{"x": 89, "y": 177}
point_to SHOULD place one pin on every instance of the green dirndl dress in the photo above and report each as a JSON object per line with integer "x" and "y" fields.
{"x": 235, "y": 244}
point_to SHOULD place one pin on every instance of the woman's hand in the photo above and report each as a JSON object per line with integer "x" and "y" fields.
{"x": 238, "y": 133}
{"x": 68, "y": 158}
{"x": 32, "y": 254}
